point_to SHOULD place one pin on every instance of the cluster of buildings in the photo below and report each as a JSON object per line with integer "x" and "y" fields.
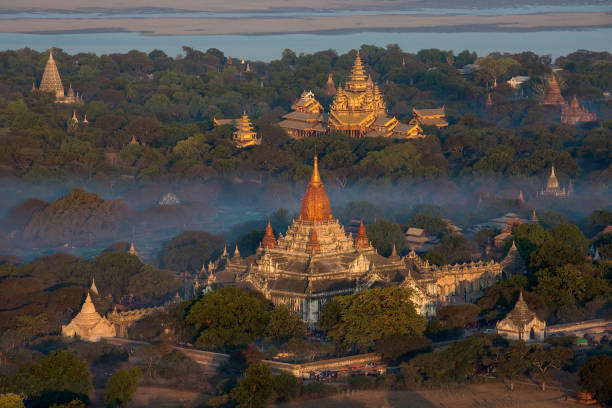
{"x": 554, "y": 189}
{"x": 358, "y": 110}
{"x": 52, "y": 82}
{"x": 316, "y": 260}
{"x": 522, "y": 323}
{"x": 571, "y": 113}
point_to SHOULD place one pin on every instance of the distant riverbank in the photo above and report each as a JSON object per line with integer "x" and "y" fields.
{"x": 313, "y": 24}
{"x": 269, "y": 47}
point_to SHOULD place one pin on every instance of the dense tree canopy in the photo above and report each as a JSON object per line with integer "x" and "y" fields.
{"x": 227, "y": 317}
{"x": 168, "y": 106}
{"x": 361, "y": 319}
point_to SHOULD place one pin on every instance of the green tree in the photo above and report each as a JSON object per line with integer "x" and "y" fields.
{"x": 398, "y": 348}
{"x": 433, "y": 225}
{"x": 113, "y": 271}
{"x": 284, "y": 325}
{"x": 555, "y": 253}
{"x": 544, "y": 361}
{"x": 373, "y": 314}
{"x": 30, "y": 326}
{"x": 286, "y": 386}
{"x": 121, "y": 386}
{"x": 528, "y": 238}
{"x": 384, "y": 235}
{"x": 151, "y": 283}
{"x": 59, "y": 374}
{"x": 255, "y": 388}
{"x": 514, "y": 362}
{"x": 458, "y": 315}
{"x": 10, "y": 400}
{"x": 190, "y": 250}
{"x": 227, "y": 317}
{"x": 597, "y": 221}
{"x": 596, "y": 377}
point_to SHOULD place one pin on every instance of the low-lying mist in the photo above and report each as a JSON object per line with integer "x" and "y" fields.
{"x": 151, "y": 214}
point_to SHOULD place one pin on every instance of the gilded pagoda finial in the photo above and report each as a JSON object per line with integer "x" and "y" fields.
{"x": 268, "y": 241}
{"x": 315, "y": 203}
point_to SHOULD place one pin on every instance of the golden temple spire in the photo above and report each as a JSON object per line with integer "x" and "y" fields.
{"x": 93, "y": 287}
{"x": 245, "y": 134}
{"x": 51, "y": 81}
{"x": 552, "y": 179}
{"x": 357, "y": 78}
{"x": 361, "y": 240}
{"x": 315, "y": 172}
{"x": 330, "y": 88}
{"x": 74, "y": 117}
{"x": 315, "y": 203}
{"x": 269, "y": 241}
{"x": 313, "y": 244}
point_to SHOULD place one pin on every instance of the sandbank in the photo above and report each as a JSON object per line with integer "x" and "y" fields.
{"x": 312, "y": 24}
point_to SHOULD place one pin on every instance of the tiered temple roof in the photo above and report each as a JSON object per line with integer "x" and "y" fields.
{"x": 245, "y": 134}
{"x": 553, "y": 93}
{"x": 51, "y": 82}
{"x": 521, "y": 323}
{"x": 316, "y": 260}
{"x": 307, "y": 118}
{"x": 573, "y": 113}
{"x": 359, "y": 109}
{"x": 431, "y": 117}
{"x": 88, "y": 324}
{"x": 553, "y": 189}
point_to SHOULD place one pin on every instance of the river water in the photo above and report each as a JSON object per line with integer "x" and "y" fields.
{"x": 269, "y": 47}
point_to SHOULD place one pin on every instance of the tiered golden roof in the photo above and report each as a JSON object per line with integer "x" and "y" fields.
{"x": 269, "y": 240}
{"x": 431, "y": 117}
{"x": 306, "y": 119}
{"x": 315, "y": 203}
{"x": 245, "y": 135}
{"x": 361, "y": 240}
{"x": 359, "y": 109}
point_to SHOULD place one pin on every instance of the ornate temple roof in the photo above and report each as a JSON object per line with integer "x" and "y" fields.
{"x": 573, "y": 113}
{"x": 315, "y": 203}
{"x": 521, "y": 314}
{"x": 357, "y": 78}
{"x": 245, "y": 134}
{"x": 313, "y": 244}
{"x": 269, "y": 240}
{"x": 553, "y": 93}
{"x": 552, "y": 179}
{"x": 361, "y": 240}
{"x": 51, "y": 81}
{"x": 330, "y": 88}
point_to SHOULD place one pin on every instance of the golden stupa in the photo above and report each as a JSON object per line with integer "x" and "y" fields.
{"x": 245, "y": 135}
{"x": 315, "y": 203}
{"x": 359, "y": 110}
{"x": 52, "y": 82}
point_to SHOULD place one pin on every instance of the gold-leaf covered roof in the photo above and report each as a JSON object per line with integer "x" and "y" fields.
{"x": 315, "y": 203}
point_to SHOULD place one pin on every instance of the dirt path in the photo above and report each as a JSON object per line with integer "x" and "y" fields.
{"x": 480, "y": 396}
